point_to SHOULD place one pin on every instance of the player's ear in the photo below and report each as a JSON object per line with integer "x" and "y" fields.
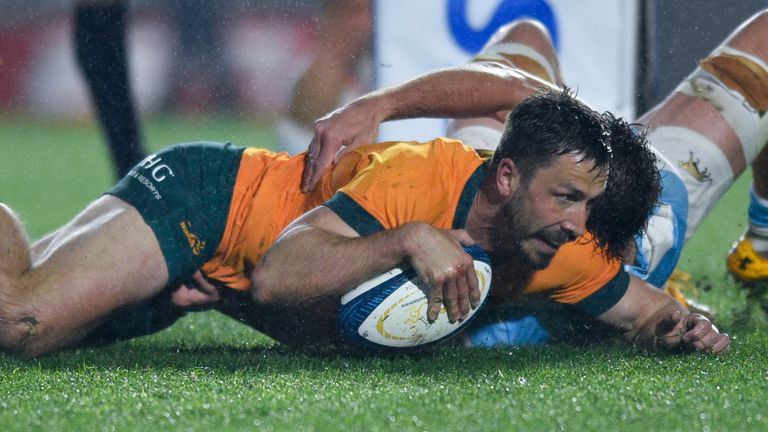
{"x": 507, "y": 177}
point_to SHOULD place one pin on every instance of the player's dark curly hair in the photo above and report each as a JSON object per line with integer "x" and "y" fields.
{"x": 555, "y": 123}
{"x": 633, "y": 189}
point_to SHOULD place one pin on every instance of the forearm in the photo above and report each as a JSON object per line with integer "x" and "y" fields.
{"x": 309, "y": 262}
{"x": 472, "y": 90}
{"x": 641, "y": 310}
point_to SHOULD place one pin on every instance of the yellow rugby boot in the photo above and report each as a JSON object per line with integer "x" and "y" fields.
{"x": 745, "y": 264}
{"x": 680, "y": 281}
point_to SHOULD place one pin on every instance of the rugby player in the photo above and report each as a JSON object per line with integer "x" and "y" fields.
{"x": 704, "y": 135}
{"x": 189, "y": 227}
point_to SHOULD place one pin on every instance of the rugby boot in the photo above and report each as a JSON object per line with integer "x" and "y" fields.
{"x": 745, "y": 264}
{"x": 681, "y": 281}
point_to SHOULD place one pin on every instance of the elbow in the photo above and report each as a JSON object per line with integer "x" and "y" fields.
{"x": 264, "y": 287}
{"x": 277, "y": 288}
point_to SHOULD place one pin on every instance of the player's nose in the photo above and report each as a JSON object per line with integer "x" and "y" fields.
{"x": 576, "y": 222}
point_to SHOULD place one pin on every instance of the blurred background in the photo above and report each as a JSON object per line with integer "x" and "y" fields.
{"x": 117, "y": 64}
{"x": 244, "y": 56}
{"x": 188, "y": 56}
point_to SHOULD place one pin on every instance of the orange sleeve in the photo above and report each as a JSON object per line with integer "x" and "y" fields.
{"x": 576, "y": 272}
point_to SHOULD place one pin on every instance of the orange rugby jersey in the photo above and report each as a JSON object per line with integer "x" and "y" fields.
{"x": 436, "y": 183}
{"x": 265, "y": 199}
{"x": 383, "y": 186}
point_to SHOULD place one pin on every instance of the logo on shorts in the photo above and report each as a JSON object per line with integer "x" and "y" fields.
{"x": 195, "y": 243}
{"x": 156, "y": 172}
{"x": 159, "y": 172}
{"x": 691, "y": 166}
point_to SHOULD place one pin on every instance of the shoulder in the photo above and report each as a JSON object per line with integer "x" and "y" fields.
{"x": 400, "y": 182}
{"x": 438, "y": 158}
{"x": 578, "y": 270}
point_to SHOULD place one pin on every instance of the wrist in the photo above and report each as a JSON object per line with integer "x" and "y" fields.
{"x": 410, "y": 238}
{"x": 380, "y": 105}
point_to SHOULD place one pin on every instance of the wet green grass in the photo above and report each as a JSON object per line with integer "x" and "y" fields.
{"x": 210, "y": 373}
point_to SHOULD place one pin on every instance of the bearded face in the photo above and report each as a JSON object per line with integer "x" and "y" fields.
{"x": 535, "y": 244}
{"x": 548, "y": 209}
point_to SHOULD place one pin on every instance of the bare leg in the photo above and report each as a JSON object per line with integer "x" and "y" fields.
{"x": 703, "y": 115}
{"x": 714, "y": 126}
{"x": 105, "y": 259}
{"x": 524, "y": 45}
{"x": 344, "y": 41}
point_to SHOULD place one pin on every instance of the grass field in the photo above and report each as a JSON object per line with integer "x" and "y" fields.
{"x": 210, "y": 373}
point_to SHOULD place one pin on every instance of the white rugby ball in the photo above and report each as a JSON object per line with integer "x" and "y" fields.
{"x": 389, "y": 311}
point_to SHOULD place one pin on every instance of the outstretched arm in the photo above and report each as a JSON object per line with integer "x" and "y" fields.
{"x": 653, "y": 319}
{"x": 471, "y": 90}
{"x": 319, "y": 255}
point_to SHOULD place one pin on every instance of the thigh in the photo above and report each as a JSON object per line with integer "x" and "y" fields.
{"x": 183, "y": 194}
{"x": 525, "y": 45}
{"x": 105, "y": 259}
{"x": 723, "y": 101}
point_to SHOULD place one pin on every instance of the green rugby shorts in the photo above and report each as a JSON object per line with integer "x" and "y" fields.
{"x": 183, "y": 193}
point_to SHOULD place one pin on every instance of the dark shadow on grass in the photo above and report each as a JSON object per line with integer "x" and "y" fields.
{"x": 277, "y": 359}
{"x": 578, "y": 345}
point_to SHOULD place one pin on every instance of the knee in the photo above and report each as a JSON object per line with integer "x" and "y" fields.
{"x": 527, "y": 31}
{"x": 761, "y": 18}
{"x": 533, "y": 35}
{"x": 19, "y": 332}
{"x": 753, "y": 30}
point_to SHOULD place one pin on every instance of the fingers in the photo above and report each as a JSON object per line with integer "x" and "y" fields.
{"x": 693, "y": 331}
{"x": 324, "y": 159}
{"x": 321, "y": 154}
{"x": 668, "y": 323}
{"x": 310, "y": 167}
{"x": 474, "y": 287}
{"x": 702, "y": 335}
{"x": 467, "y": 269}
{"x": 669, "y": 330}
{"x": 463, "y": 299}
{"x": 318, "y": 159}
{"x": 435, "y": 304}
{"x": 722, "y": 345}
{"x": 450, "y": 300}
{"x": 195, "y": 293}
{"x": 202, "y": 284}
{"x": 457, "y": 290}
{"x": 441, "y": 262}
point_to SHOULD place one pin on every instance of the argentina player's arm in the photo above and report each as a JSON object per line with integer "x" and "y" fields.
{"x": 651, "y": 318}
{"x": 471, "y": 90}
{"x": 321, "y": 255}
